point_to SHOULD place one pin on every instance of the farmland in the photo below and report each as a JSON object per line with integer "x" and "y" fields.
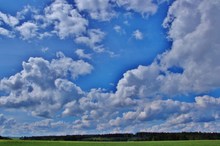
{"x": 150, "y": 143}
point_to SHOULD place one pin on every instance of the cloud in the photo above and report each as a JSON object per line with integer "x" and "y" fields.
{"x": 47, "y": 126}
{"x": 192, "y": 51}
{"x": 82, "y": 54}
{"x": 90, "y": 114}
{"x": 27, "y": 11}
{"x": 196, "y": 55}
{"x": 28, "y": 30}
{"x": 144, "y": 95}
{"x": 65, "y": 19}
{"x": 137, "y": 34}
{"x": 169, "y": 116}
{"x": 8, "y": 19}
{"x": 43, "y": 86}
{"x": 97, "y": 9}
{"x": 145, "y": 7}
{"x": 200, "y": 117}
{"x": 6, "y": 33}
{"x": 93, "y": 39}
{"x": 117, "y": 28}
{"x": 6, "y": 123}
{"x": 59, "y": 18}
{"x": 45, "y": 49}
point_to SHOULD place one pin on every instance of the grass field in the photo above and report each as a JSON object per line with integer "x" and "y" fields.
{"x": 150, "y": 143}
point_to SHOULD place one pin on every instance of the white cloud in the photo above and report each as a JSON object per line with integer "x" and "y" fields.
{"x": 97, "y": 9}
{"x": 45, "y": 49}
{"x": 6, "y": 123}
{"x": 138, "y": 35}
{"x": 66, "y": 20}
{"x": 93, "y": 39}
{"x": 117, "y": 28}
{"x": 145, "y": 7}
{"x": 43, "y": 87}
{"x": 140, "y": 90}
{"x": 28, "y": 30}
{"x": 27, "y": 10}
{"x": 192, "y": 51}
{"x": 82, "y": 54}
{"x": 8, "y": 19}
{"x": 170, "y": 116}
{"x": 6, "y": 32}
{"x": 46, "y": 126}
{"x": 195, "y": 45}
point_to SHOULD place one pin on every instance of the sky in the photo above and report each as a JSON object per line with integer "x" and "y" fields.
{"x": 109, "y": 66}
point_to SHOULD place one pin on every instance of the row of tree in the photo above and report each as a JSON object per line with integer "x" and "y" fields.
{"x": 4, "y": 138}
{"x": 141, "y": 136}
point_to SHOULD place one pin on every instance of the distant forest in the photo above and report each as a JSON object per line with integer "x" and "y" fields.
{"x": 140, "y": 136}
{"x": 4, "y": 138}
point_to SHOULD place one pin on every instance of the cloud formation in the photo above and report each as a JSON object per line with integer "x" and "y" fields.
{"x": 97, "y": 9}
{"x": 92, "y": 39}
{"x": 65, "y": 19}
{"x": 144, "y": 96}
{"x": 27, "y": 30}
{"x": 82, "y": 54}
{"x": 138, "y": 35}
{"x": 8, "y": 19}
{"x": 145, "y": 7}
{"x": 42, "y": 86}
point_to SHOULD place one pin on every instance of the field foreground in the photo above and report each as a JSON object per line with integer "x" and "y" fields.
{"x": 149, "y": 143}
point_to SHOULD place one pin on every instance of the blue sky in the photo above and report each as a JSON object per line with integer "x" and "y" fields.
{"x": 105, "y": 66}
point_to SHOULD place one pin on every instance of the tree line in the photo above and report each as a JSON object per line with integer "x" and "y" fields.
{"x": 140, "y": 136}
{"x": 4, "y": 138}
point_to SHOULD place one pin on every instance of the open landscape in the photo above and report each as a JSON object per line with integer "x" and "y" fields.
{"x": 109, "y": 73}
{"x": 149, "y": 143}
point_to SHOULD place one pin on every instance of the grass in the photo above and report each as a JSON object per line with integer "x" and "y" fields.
{"x": 149, "y": 143}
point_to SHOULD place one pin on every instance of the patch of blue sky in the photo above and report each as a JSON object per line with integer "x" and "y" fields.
{"x": 129, "y": 52}
{"x": 12, "y": 7}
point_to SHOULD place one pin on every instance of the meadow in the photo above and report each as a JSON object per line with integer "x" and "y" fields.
{"x": 148, "y": 143}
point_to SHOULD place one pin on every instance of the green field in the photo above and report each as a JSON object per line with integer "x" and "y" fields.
{"x": 150, "y": 143}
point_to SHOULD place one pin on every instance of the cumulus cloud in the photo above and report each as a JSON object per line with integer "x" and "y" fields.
{"x": 43, "y": 86}
{"x": 45, "y": 49}
{"x": 117, "y": 28}
{"x": 6, "y": 32}
{"x": 28, "y": 30}
{"x": 11, "y": 21}
{"x": 8, "y": 19}
{"x": 59, "y": 18}
{"x": 82, "y": 54}
{"x": 192, "y": 51}
{"x": 202, "y": 116}
{"x": 66, "y": 20}
{"x": 175, "y": 116}
{"x": 138, "y": 35}
{"x": 196, "y": 55}
{"x": 97, "y": 9}
{"x": 141, "y": 6}
{"x": 6, "y": 123}
{"x": 9, "y": 126}
{"x": 93, "y": 39}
